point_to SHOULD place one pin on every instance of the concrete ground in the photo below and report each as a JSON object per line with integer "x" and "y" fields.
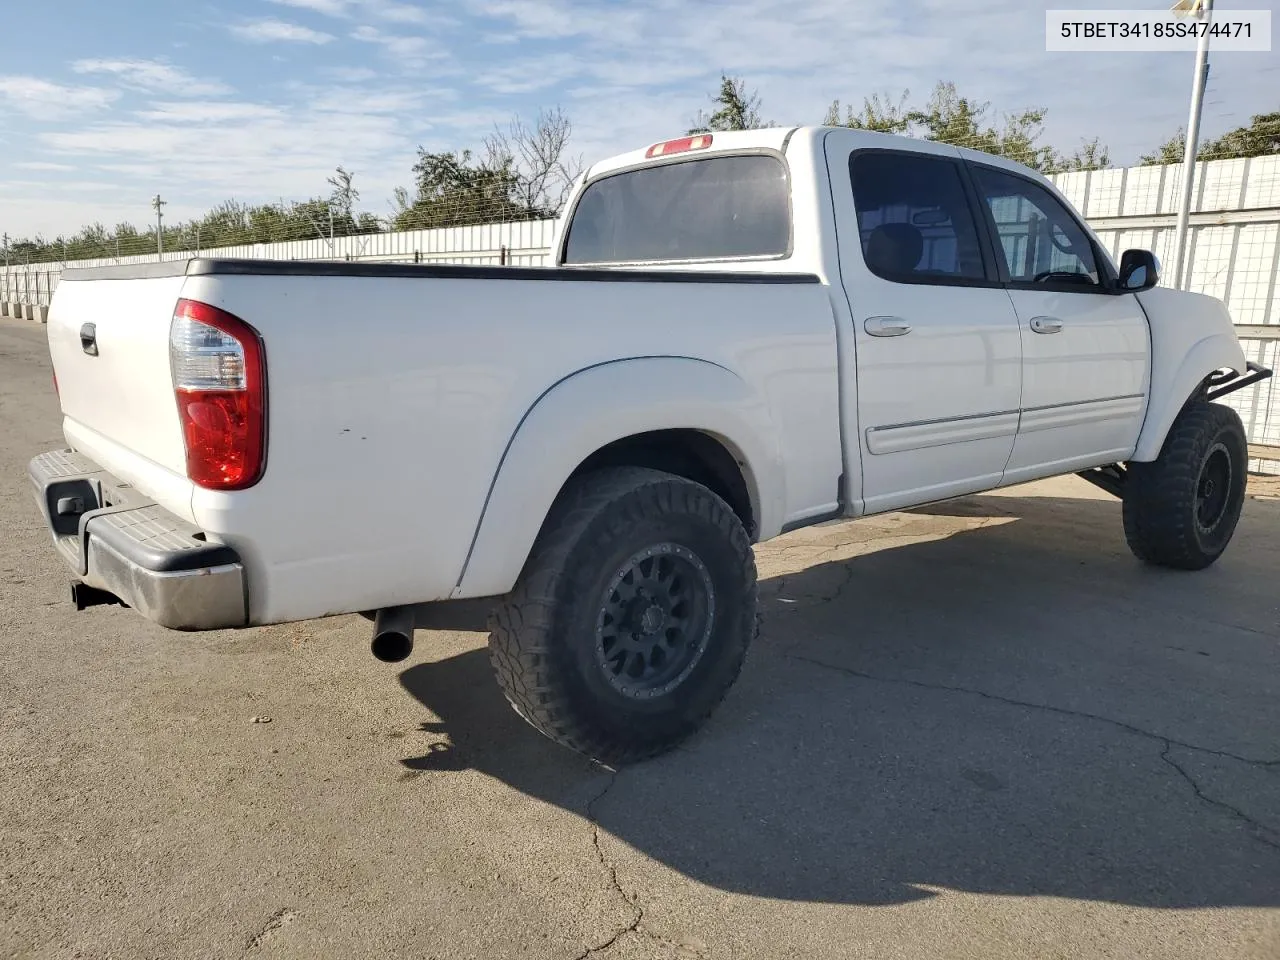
{"x": 975, "y": 730}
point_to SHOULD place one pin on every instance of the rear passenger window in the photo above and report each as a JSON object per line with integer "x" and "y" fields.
{"x": 914, "y": 220}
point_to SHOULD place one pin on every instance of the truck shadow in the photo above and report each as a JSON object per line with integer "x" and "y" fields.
{"x": 1017, "y": 708}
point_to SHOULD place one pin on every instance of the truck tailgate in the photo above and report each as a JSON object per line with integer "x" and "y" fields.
{"x": 109, "y": 340}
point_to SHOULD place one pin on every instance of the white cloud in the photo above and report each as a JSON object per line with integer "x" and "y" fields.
{"x": 548, "y": 19}
{"x": 58, "y": 186}
{"x": 27, "y": 212}
{"x": 409, "y": 51}
{"x": 269, "y": 30}
{"x": 402, "y": 12}
{"x": 44, "y": 165}
{"x": 199, "y": 153}
{"x": 402, "y": 102}
{"x": 153, "y": 75}
{"x": 332, "y": 8}
{"x": 44, "y": 100}
{"x": 389, "y": 10}
{"x": 529, "y": 75}
{"x": 218, "y": 111}
{"x": 663, "y": 59}
{"x": 351, "y": 74}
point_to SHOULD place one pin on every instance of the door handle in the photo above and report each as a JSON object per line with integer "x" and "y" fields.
{"x": 886, "y": 326}
{"x": 89, "y": 339}
{"x": 1046, "y": 325}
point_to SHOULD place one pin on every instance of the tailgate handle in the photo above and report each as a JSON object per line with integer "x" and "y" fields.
{"x": 89, "y": 339}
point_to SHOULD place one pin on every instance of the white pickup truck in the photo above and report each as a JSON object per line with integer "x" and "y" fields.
{"x": 743, "y": 334}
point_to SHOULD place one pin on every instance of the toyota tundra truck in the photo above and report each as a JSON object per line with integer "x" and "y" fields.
{"x": 742, "y": 334}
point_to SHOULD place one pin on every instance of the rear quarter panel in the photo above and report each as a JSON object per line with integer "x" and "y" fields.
{"x": 391, "y": 401}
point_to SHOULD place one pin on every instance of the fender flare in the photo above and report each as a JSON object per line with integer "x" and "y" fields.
{"x": 1170, "y": 392}
{"x": 590, "y": 409}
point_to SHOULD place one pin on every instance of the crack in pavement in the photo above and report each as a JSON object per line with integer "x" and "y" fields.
{"x": 276, "y": 922}
{"x": 612, "y": 871}
{"x": 791, "y": 606}
{"x": 1049, "y": 708}
{"x": 636, "y": 925}
{"x": 1263, "y": 832}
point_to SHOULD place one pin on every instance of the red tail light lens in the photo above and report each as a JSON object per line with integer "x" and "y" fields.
{"x": 219, "y": 379}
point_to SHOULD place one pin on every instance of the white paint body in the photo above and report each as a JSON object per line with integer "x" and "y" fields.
{"x": 419, "y": 428}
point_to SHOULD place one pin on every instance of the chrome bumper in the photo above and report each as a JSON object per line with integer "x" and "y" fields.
{"x": 118, "y": 541}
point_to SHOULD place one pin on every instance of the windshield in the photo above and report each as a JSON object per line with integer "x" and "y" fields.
{"x": 727, "y": 207}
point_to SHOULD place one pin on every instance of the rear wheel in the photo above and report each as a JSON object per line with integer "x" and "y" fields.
{"x": 1181, "y": 509}
{"x": 632, "y": 617}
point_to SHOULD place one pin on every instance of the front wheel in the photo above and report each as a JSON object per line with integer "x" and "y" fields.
{"x": 1181, "y": 509}
{"x": 632, "y": 617}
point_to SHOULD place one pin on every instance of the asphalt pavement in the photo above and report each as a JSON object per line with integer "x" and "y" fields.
{"x": 974, "y": 730}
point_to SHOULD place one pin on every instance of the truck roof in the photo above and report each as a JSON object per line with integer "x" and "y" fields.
{"x": 769, "y": 138}
{"x": 777, "y": 138}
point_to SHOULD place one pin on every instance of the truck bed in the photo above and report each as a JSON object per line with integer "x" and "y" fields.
{"x": 396, "y": 391}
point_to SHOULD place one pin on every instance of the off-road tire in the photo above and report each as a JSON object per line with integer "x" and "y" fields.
{"x": 543, "y": 641}
{"x": 1205, "y": 456}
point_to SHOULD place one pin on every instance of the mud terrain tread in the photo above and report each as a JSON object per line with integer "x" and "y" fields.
{"x": 598, "y": 509}
{"x": 1160, "y": 496}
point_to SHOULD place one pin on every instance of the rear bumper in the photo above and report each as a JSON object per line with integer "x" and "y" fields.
{"x": 114, "y": 539}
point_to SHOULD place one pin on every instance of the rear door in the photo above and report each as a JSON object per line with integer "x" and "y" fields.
{"x": 109, "y": 340}
{"x": 938, "y": 355}
{"x": 1084, "y": 343}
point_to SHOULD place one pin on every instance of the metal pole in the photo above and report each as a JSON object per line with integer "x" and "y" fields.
{"x": 158, "y": 204}
{"x": 1180, "y": 272}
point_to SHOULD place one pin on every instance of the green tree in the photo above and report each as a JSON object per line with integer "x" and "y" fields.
{"x": 878, "y": 113}
{"x": 951, "y": 118}
{"x": 735, "y": 109}
{"x": 1092, "y": 155}
{"x": 1173, "y": 150}
{"x": 344, "y": 195}
{"x": 455, "y": 189}
{"x": 1261, "y": 138}
{"x": 948, "y": 117}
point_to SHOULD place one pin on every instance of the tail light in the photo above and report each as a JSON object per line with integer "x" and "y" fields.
{"x": 220, "y": 381}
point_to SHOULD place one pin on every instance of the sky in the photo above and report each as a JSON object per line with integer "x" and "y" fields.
{"x": 105, "y": 104}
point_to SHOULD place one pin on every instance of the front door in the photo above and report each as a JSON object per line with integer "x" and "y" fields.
{"x": 1084, "y": 343}
{"x": 939, "y": 359}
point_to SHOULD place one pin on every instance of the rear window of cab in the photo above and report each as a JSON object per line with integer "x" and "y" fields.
{"x": 715, "y": 208}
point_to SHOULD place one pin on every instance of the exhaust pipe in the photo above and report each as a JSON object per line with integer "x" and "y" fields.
{"x": 393, "y": 633}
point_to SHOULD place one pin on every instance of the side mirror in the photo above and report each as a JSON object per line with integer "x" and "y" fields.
{"x": 1139, "y": 270}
